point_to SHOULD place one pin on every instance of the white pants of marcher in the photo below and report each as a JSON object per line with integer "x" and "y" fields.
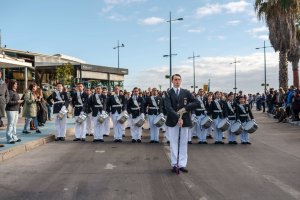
{"x": 154, "y": 130}
{"x": 99, "y": 129}
{"x": 89, "y": 124}
{"x": 136, "y": 132}
{"x": 231, "y": 136}
{"x": 244, "y": 135}
{"x": 201, "y": 132}
{"x": 218, "y": 132}
{"x": 106, "y": 126}
{"x": 80, "y": 129}
{"x": 190, "y": 133}
{"x": 174, "y": 132}
{"x": 166, "y": 133}
{"x": 60, "y": 126}
{"x": 118, "y": 128}
{"x": 11, "y": 130}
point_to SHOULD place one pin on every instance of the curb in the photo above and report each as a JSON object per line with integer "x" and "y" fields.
{"x": 295, "y": 123}
{"x": 28, "y": 146}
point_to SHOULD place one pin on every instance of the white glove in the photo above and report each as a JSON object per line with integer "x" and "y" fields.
{"x": 143, "y": 115}
{"x": 64, "y": 108}
{"x": 81, "y": 112}
{"x": 103, "y": 112}
{"x": 193, "y": 115}
{"x": 205, "y": 112}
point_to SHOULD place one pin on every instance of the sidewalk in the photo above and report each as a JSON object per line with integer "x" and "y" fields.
{"x": 29, "y": 141}
{"x": 295, "y": 123}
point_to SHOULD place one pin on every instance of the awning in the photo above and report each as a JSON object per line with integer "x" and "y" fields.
{"x": 8, "y": 62}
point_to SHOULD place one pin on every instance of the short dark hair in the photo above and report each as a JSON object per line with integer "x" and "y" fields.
{"x": 11, "y": 83}
{"x": 79, "y": 84}
{"x": 175, "y": 75}
{"x": 32, "y": 85}
{"x": 59, "y": 84}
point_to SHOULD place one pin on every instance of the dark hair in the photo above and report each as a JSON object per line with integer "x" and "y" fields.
{"x": 59, "y": 84}
{"x": 32, "y": 85}
{"x": 79, "y": 84}
{"x": 175, "y": 75}
{"x": 11, "y": 84}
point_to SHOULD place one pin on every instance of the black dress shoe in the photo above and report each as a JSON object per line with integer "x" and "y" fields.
{"x": 119, "y": 140}
{"x": 139, "y": 140}
{"x": 83, "y": 140}
{"x": 204, "y": 142}
{"x": 133, "y": 141}
{"x": 190, "y": 142}
{"x": 26, "y": 132}
{"x": 57, "y": 139}
{"x": 223, "y": 138}
{"x": 76, "y": 139}
{"x": 62, "y": 138}
{"x": 115, "y": 140}
{"x": 18, "y": 140}
{"x": 12, "y": 142}
{"x": 174, "y": 169}
{"x": 156, "y": 141}
{"x": 200, "y": 142}
{"x": 248, "y": 142}
{"x": 168, "y": 142}
{"x": 217, "y": 142}
{"x": 123, "y": 135}
{"x": 95, "y": 140}
{"x": 230, "y": 142}
{"x": 243, "y": 142}
{"x": 183, "y": 169}
{"x": 152, "y": 141}
{"x": 234, "y": 142}
{"x": 38, "y": 131}
{"x": 101, "y": 140}
{"x": 105, "y": 135}
{"x": 221, "y": 142}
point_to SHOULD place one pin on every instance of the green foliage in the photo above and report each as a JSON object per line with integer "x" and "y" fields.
{"x": 64, "y": 73}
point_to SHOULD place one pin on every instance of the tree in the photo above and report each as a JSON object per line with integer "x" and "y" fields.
{"x": 65, "y": 73}
{"x": 294, "y": 56}
{"x": 280, "y": 17}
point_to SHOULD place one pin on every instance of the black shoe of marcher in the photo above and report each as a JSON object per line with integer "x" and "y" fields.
{"x": 234, "y": 142}
{"x": 38, "y": 131}
{"x": 95, "y": 140}
{"x": 133, "y": 141}
{"x": 139, "y": 140}
{"x": 152, "y": 141}
{"x": 76, "y": 139}
{"x": 204, "y": 142}
{"x": 87, "y": 134}
{"x": 123, "y": 135}
{"x": 248, "y": 142}
{"x": 18, "y": 140}
{"x": 183, "y": 169}
{"x": 82, "y": 140}
{"x": 62, "y": 138}
{"x": 230, "y": 142}
{"x": 168, "y": 142}
{"x": 190, "y": 142}
{"x": 174, "y": 169}
{"x": 216, "y": 142}
{"x": 12, "y": 142}
{"x": 223, "y": 138}
{"x": 115, "y": 140}
{"x": 127, "y": 128}
{"x": 57, "y": 139}
{"x": 101, "y": 140}
{"x": 156, "y": 141}
{"x": 195, "y": 137}
{"x": 26, "y": 132}
{"x": 119, "y": 140}
{"x": 221, "y": 142}
{"x": 105, "y": 135}
{"x": 243, "y": 142}
{"x": 200, "y": 142}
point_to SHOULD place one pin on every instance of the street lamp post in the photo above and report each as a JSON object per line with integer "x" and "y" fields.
{"x": 193, "y": 57}
{"x": 118, "y": 47}
{"x": 170, "y": 55}
{"x": 235, "y": 61}
{"x": 265, "y": 64}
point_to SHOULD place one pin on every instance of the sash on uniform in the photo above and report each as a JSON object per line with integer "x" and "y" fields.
{"x": 98, "y": 99}
{"x": 218, "y": 105}
{"x": 135, "y": 101}
{"x": 58, "y": 95}
{"x": 79, "y": 98}
{"x": 201, "y": 102}
{"x": 243, "y": 109}
{"x": 230, "y": 107}
{"x": 117, "y": 99}
{"x": 154, "y": 102}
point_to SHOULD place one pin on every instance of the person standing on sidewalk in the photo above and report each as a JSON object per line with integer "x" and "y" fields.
{"x": 179, "y": 101}
{"x": 60, "y": 101}
{"x": 4, "y": 98}
{"x": 30, "y": 108}
{"x": 12, "y": 112}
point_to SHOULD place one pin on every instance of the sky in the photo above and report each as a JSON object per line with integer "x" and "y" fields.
{"x": 218, "y": 31}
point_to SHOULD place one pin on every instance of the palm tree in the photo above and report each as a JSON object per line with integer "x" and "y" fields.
{"x": 280, "y": 16}
{"x": 294, "y": 57}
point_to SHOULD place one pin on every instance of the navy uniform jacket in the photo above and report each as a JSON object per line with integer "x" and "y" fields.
{"x": 133, "y": 109}
{"x": 244, "y": 116}
{"x": 78, "y": 107}
{"x": 231, "y": 113}
{"x": 152, "y": 110}
{"x": 94, "y": 106}
{"x": 213, "y": 110}
{"x": 57, "y": 103}
{"x": 173, "y": 103}
{"x": 113, "y": 106}
{"x": 200, "y": 110}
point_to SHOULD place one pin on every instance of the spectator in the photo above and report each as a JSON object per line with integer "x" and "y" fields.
{"x": 30, "y": 108}
{"x": 288, "y": 100}
{"x": 4, "y": 98}
{"x": 263, "y": 102}
{"x": 46, "y": 93}
{"x": 42, "y": 111}
{"x": 12, "y": 112}
{"x": 258, "y": 101}
{"x": 270, "y": 101}
{"x": 296, "y": 105}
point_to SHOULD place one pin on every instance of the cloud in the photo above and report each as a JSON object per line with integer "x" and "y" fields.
{"x": 234, "y": 22}
{"x": 259, "y": 32}
{"x": 152, "y": 21}
{"x": 196, "y": 30}
{"x": 250, "y": 73}
{"x": 231, "y": 7}
{"x": 110, "y": 4}
{"x": 117, "y": 18}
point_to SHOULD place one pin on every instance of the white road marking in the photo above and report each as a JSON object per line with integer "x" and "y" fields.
{"x": 66, "y": 189}
{"x": 100, "y": 151}
{"x": 203, "y": 198}
{"x": 109, "y": 166}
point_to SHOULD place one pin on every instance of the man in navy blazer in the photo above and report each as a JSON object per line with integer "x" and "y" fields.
{"x": 179, "y": 101}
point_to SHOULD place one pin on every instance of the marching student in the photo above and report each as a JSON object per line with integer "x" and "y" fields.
{"x": 80, "y": 103}
{"x": 231, "y": 110}
{"x": 59, "y": 101}
{"x": 89, "y": 119}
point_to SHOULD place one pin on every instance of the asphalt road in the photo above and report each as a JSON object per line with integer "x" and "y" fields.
{"x": 269, "y": 169}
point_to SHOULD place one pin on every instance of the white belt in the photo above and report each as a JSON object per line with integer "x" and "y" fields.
{"x": 116, "y": 106}
{"x": 98, "y": 106}
{"x": 78, "y": 105}
{"x": 153, "y": 108}
{"x": 135, "y": 108}
{"x": 231, "y": 116}
{"x": 200, "y": 109}
{"x": 244, "y": 115}
{"x": 218, "y": 111}
{"x": 58, "y": 102}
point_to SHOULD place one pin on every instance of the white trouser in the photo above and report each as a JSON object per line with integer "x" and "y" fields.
{"x": 89, "y": 124}
{"x": 136, "y": 132}
{"x": 60, "y": 126}
{"x": 99, "y": 129}
{"x": 174, "y": 132}
{"x": 218, "y": 132}
{"x": 106, "y": 126}
{"x": 201, "y": 132}
{"x": 231, "y": 136}
{"x": 244, "y": 135}
{"x": 11, "y": 130}
{"x": 167, "y": 132}
{"x": 118, "y": 128}
{"x": 190, "y": 133}
{"x": 80, "y": 129}
{"x": 154, "y": 130}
